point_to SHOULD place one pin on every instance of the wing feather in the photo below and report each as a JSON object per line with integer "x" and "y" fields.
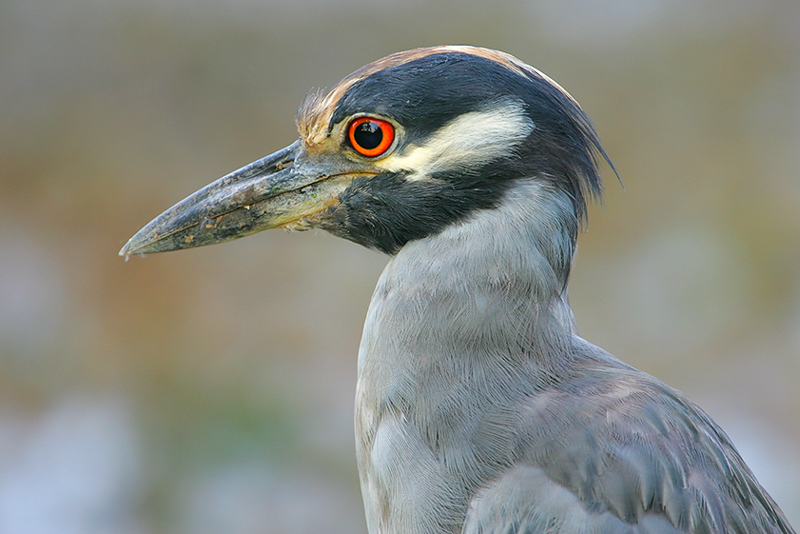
{"x": 613, "y": 450}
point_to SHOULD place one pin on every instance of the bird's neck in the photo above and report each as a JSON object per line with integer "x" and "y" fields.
{"x": 493, "y": 284}
{"x": 465, "y": 321}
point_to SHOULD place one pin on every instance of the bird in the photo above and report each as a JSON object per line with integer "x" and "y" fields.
{"x": 479, "y": 409}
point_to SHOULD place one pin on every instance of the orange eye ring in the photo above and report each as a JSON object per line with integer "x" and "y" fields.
{"x": 370, "y": 137}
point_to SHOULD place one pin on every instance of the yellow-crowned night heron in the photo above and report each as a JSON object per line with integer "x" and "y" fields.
{"x": 478, "y": 408}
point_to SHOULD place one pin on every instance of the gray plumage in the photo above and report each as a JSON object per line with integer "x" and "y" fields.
{"x": 478, "y": 407}
{"x": 480, "y": 410}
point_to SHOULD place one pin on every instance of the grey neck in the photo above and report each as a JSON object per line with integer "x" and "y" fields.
{"x": 461, "y": 327}
{"x": 495, "y": 283}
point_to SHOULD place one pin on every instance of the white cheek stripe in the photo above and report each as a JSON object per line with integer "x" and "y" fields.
{"x": 468, "y": 141}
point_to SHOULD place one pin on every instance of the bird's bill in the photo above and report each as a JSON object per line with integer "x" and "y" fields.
{"x": 268, "y": 193}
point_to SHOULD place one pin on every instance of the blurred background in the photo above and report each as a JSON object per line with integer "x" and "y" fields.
{"x": 211, "y": 390}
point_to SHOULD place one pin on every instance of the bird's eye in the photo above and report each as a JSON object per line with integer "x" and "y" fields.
{"x": 371, "y": 137}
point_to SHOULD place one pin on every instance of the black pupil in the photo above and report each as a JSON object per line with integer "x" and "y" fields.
{"x": 368, "y": 135}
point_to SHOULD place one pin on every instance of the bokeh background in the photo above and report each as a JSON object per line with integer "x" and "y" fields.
{"x": 211, "y": 390}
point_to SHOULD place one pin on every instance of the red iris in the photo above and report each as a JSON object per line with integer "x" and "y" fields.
{"x": 371, "y": 137}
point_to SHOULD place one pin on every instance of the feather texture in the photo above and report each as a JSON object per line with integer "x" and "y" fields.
{"x": 479, "y": 409}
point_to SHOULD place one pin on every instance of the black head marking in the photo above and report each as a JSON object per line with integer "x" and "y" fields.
{"x": 426, "y": 94}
